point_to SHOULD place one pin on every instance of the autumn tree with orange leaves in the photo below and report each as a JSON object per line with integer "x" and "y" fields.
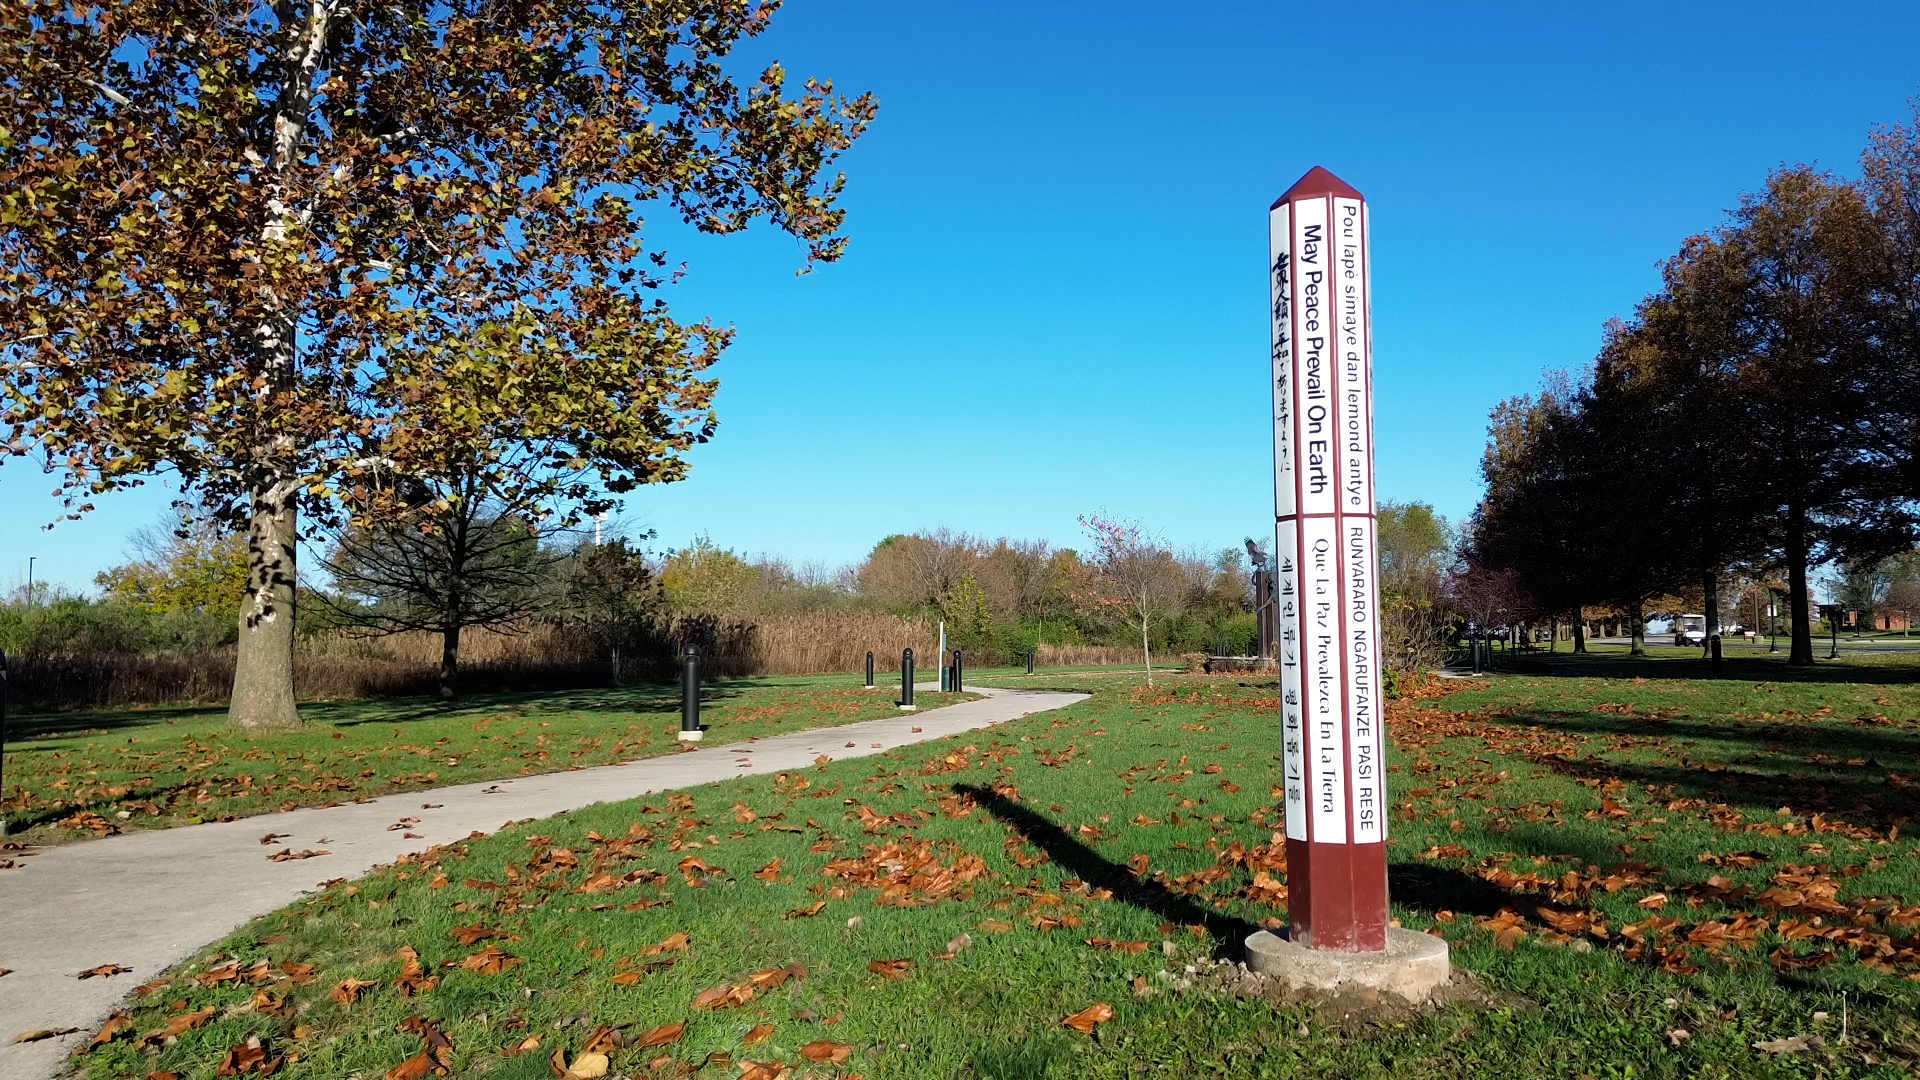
{"x": 308, "y": 256}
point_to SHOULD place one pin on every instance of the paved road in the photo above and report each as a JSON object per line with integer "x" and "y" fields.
{"x": 152, "y": 900}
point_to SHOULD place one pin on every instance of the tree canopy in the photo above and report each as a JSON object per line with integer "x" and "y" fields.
{"x": 1755, "y": 414}
{"x": 296, "y": 254}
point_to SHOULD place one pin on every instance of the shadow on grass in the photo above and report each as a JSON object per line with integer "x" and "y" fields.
{"x": 1860, "y": 795}
{"x": 1881, "y": 746}
{"x": 1898, "y": 669}
{"x": 651, "y": 698}
{"x": 18, "y": 822}
{"x": 1088, "y": 865}
{"x": 644, "y": 698}
{"x": 1857, "y": 802}
{"x": 1430, "y": 889}
{"x": 48, "y": 725}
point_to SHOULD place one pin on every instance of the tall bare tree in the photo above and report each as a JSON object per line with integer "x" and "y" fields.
{"x": 1133, "y": 576}
{"x": 473, "y": 563}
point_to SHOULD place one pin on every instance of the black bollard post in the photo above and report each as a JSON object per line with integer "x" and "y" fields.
{"x": 3, "y": 742}
{"x": 906, "y": 680}
{"x": 1473, "y": 650}
{"x": 1713, "y": 647}
{"x": 690, "y": 697}
{"x": 1029, "y": 661}
{"x": 958, "y": 667}
{"x": 869, "y": 669}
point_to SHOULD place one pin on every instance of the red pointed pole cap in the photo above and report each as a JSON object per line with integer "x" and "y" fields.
{"x": 1318, "y": 181}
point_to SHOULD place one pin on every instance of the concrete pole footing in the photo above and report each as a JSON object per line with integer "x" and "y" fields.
{"x": 1412, "y": 967}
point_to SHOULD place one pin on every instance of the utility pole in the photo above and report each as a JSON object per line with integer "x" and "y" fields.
{"x": 30, "y": 560}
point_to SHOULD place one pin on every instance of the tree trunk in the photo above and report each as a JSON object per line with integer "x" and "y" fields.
{"x": 1710, "y": 612}
{"x": 1553, "y": 635}
{"x": 1579, "y": 632}
{"x": 1146, "y": 653}
{"x": 449, "y": 659}
{"x": 1801, "y": 652}
{"x": 263, "y": 661}
{"x": 1638, "y": 624}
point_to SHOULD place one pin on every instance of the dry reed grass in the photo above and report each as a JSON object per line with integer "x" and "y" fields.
{"x": 1094, "y": 656}
{"x": 346, "y": 665}
{"x": 349, "y": 665}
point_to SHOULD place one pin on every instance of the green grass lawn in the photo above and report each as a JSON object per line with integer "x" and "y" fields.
{"x": 85, "y": 774}
{"x": 1647, "y": 877}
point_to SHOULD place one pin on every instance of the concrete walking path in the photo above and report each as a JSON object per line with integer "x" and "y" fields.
{"x": 151, "y": 900}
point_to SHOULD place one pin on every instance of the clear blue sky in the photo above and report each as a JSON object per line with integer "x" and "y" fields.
{"x": 1055, "y": 296}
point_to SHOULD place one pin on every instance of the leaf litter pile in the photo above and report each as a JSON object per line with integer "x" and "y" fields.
{"x": 1656, "y": 876}
{"x": 77, "y": 776}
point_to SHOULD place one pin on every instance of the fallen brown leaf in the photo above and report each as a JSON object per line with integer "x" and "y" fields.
{"x": 664, "y": 1035}
{"x": 103, "y": 971}
{"x": 249, "y": 1057}
{"x": 180, "y": 1025}
{"x": 825, "y": 1052}
{"x": 772, "y": 977}
{"x": 759, "y": 1034}
{"x": 475, "y": 934}
{"x": 806, "y": 912}
{"x": 229, "y": 972}
{"x": 891, "y": 969}
{"x": 676, "y": 943}
{"x": 490, "y": 961}
{"x": 1089, "y": 1018}
{"x": 348, "y": 992}
{"x": 588, "y": 1066}
{"x": 439, "y": 1047}
{"x": 117, "y": 1025}
{"x": 413, "y": 977}
{"x": 43, "y": 1033}
{"x": 414, "y": 1068}
{"x": 723, "y": 997}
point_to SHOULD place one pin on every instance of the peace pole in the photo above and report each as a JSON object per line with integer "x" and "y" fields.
{"x": 1327, "y": 604}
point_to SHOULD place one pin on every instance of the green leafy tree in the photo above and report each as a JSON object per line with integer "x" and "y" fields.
{"x": 1416, "y": 549}
{"x": 1800, "y": 271}
{"x": 612, "y": 595}
{"x": 969, "y": 619}
{"x": 299, "y": 254}
{"x": 190, "y": 563}
{"x": 703, "y": 579}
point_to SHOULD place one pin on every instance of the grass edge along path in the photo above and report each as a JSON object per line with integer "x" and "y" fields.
{"x": 153, "y": 899}
{"x": 87, "y": 775}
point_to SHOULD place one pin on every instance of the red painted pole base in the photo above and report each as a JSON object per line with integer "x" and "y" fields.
{"x": 1337, "y": 896}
